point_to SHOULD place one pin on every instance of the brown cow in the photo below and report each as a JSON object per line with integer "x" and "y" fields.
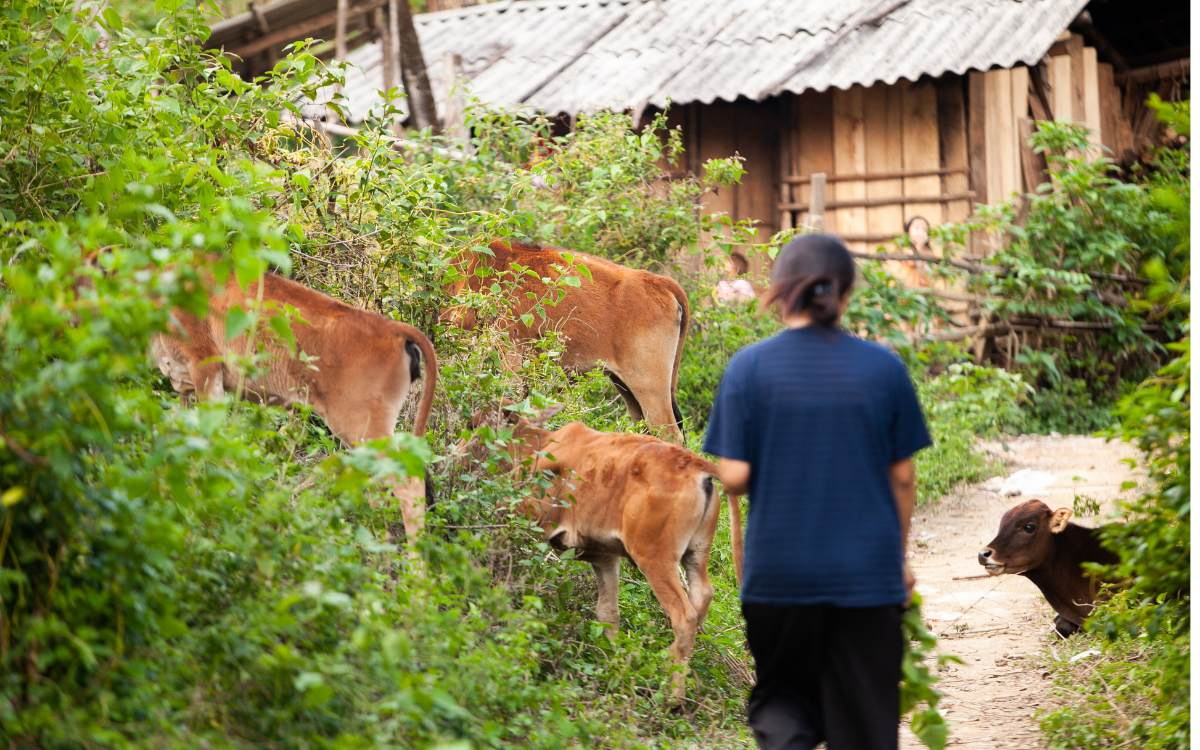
{"x": 355, "y": 373}
{"x": 630, "y": 322}
{"x": 1046, "y": 548}
{"x": 617, "y": 495}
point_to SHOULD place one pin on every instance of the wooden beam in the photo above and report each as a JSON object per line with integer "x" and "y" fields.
{"x": 1091, "y": 99}
{"x": 1060, "y": 88}
{"x": 1039, "y": 101}
{"x": 300, "y": 30}
{"x": 1092, "y": 35}
{"x": 785, "y": 159}
{"x": 1174, "y": 69}
{"x": 921, "y": 151}
{"x": 387, "y": 43}
{"x": 977, "y": 135}
{"x": 882, "y": 132}
{"x": 1078, "y": 82}
{"x": 872, "y": 176}
{"x": 891, "y": 200}
{"x": 813, "y": 140}
{"x": 339, "y": 32}
{"x": 816, "y": 214}
{"x": 1033, "y": 165}
{"x": 1110, "y": 109}
{"x": 849, "y": 156}
{"x": 952, "y": 144}
{"x": 1003, "y": 163}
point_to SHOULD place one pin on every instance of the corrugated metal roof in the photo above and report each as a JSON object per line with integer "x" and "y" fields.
{"x": 584, "y": 55}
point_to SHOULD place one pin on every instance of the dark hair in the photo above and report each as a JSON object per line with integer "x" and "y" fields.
{"x": 813, "y": 274}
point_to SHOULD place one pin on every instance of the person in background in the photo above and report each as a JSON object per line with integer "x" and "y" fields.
{"x": 820, "y": 428}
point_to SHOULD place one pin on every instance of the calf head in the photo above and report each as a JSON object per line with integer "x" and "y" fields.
{"x": 528, "y": 433}
{"x": 1026, "y": 538}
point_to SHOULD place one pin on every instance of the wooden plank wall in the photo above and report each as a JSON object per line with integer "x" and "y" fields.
{"x": 750, "y": 130}
{"x": 1083, "y": 90}
{"x": 891, "y": 153}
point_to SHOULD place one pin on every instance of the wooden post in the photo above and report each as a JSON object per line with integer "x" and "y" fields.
{"x": 786, "y": 167}
{"x": 1033, "y": 166}
{"x": 813, "y": 145}
{"x": 421, "y": 104}
{"x": 882, "y": 130}
{"x": 952, "y": 144}
{"x": 449, "y": 92}
{"x": 391, "y": 57}
{"x": 388, "y": 48}
{"x": 1078, "y": 83}
{"x": 1091, "y": 99}
{"x": 1060, "y": 88}
{"x": 977, "y": 135}
{"x": 339, "y": 34}
{"x": 849, "y": 157}
{"x": 816, "y": 202}
{"x": 268, "y": 57}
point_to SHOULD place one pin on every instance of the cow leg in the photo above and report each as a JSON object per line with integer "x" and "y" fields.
{"x": 653, "y": 392}
{"x": 631, "y": 403}
{"x": 356, "y": 421}
{"x": 663, "y": 576}
{"x": 1065, "y": 627}
{"x": 700, "y": 589}
{"x": 608, "y": 572}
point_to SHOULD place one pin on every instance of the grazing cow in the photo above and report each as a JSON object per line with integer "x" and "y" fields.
{"x": 630, "y": 322}
{"x": 617, "y": 495}
{"x": 1046, "y": 548}
{"x": 352, "y": 366}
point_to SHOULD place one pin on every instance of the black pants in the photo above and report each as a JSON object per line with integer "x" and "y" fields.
{"x": 825, "y": 673}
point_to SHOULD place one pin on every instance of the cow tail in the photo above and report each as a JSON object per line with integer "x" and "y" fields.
{"x": 684, "y": 318}
{"x": 737, "y": 543}
{"x": 428, "y": 378}
{"x": 735, "y": 534}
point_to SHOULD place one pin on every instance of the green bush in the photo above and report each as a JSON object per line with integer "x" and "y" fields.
{"x": 1139, "y": 691}
{"x": 1069, "y": 271}
{"x": 226, "y": 574}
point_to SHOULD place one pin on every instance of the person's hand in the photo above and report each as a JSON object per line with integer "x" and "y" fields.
{"x": 910, "y": 581}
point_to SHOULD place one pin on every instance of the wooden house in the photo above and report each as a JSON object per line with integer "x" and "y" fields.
{"x": 909, "y": 108}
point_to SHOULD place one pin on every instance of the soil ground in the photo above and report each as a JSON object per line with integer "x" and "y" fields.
{"x": 1001, "y": 626}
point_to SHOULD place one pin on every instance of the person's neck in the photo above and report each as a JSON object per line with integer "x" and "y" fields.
{"x": 797, "y": 321}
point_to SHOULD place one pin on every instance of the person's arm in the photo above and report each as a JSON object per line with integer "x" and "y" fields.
{"x": 903, "y": 477}
{"x": 735, "y": 475}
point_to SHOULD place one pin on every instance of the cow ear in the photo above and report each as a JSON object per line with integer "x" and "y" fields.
{"x": 1058, "y": 520}
{"x": 544, "y": 415}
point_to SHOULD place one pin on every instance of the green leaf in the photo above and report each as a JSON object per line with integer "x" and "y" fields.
{"x": 237, "y": 322}
{"x": 12, "y": 496}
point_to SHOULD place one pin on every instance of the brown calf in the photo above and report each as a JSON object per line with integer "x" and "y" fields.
{"x": 630, "y": 322}
{"x": 356, "y": 370}
{"x": 617, "y": 495}
{"x": 1046, "y": 548}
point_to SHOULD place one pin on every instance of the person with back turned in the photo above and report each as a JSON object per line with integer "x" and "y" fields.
{"x": 820, "y": 428}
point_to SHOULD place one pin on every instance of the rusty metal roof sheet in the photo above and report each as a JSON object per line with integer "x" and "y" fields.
{"x": 584, "y": 55}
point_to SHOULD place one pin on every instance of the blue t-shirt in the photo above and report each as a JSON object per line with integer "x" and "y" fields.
{"x": 820, "y": 416}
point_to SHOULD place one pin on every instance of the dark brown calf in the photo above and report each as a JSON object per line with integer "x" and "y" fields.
{"x": 1046, "y": 548}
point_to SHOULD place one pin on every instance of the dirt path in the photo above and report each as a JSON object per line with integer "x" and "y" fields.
{"x": 999, "y": 626}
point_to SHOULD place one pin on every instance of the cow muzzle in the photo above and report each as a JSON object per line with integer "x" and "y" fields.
{"x": 994, "y": 567}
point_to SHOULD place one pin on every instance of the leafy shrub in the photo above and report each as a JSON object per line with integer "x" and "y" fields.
{"x": 226, "y": 574}
{"x": 1139, "y": 690}
{"x": 1069, "y": 274}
